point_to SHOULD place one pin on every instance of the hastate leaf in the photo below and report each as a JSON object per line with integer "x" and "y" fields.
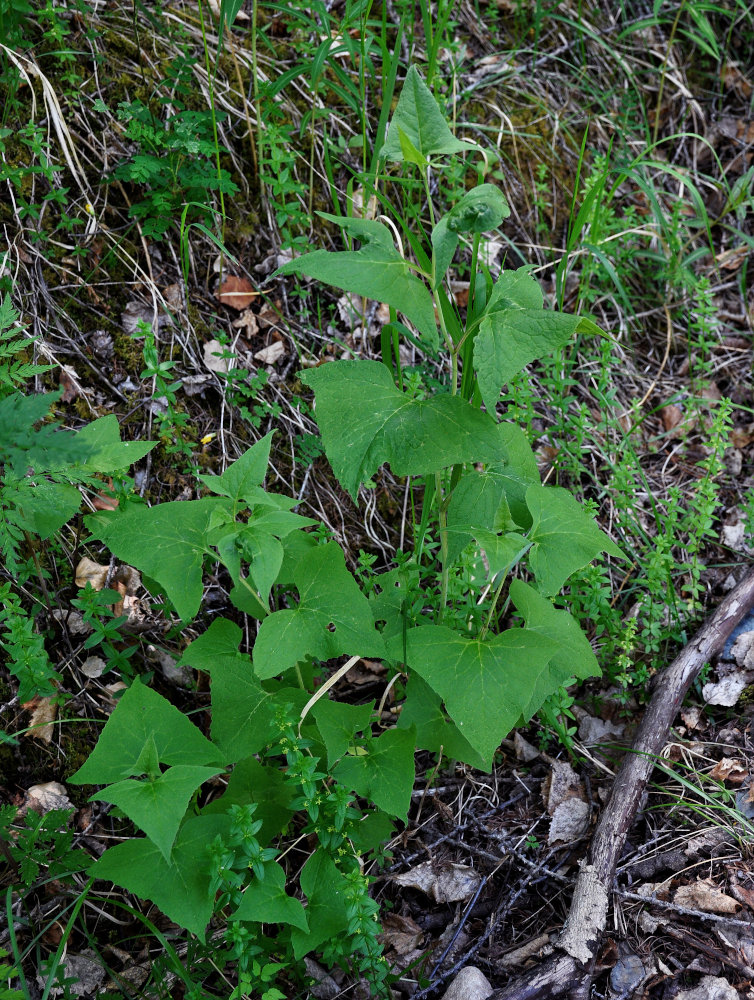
{"x": 376, "y": 271}
{"x": 179, "y": 887}
{"x": 418, "y": 116}
{"x": 167, "y": 542}
{"x": 239, "y": 479}
{"x": 243, "y": 712}
{"x": 157, "y": 807}
{"x": 142, "y": 714}
{"x": 107, "y": 454}
{"x": 484, "y": 683}
{"x": 265, "y": 901}
{"x": 327, "y": 906}
{"x": 479, "y": 210}
{"x": 565, "y": 537}
{"x": 509, "y": 339}
{"x": 365, "y": 421}
{"x": 385, "y": 773}
{"x": 333, "y": 617}
{"x": 338, "y": 723}
{"x": 478, "y": 501}
{"x": 434, "y": 730}
{"x": 574, "y": 657}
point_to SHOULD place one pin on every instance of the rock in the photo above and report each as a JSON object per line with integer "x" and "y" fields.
{"x": 710, "y": 988}
{"x": 469, "y": 984}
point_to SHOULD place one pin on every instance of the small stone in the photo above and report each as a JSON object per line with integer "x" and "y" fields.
{"x": 469, "y": 984}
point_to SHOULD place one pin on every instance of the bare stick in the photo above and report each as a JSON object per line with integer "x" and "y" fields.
{"x": 568, "y": 969}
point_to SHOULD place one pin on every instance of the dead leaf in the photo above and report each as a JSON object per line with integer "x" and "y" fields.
{"x": 570, "y": 821}
{"x": 173, "y": 296}
{"x": 561, "y": 783}
{"x": 693, "y": 717}
{"x": 268, "y": 317}
{"x": 705, "y": 896}
{"x": 733, "y": 258}
{"x": 401, "y": 933}
{"x": 728, "y": 690}
{"x": 247, "y": 322}
{"x": 73, "y": 621}
{"x": 524, "y": 750}
{"x": 742, "y": 650}
{"x": 91, "y": 572}
{"x": 43, "y": 712}
{"x": 45, "y": 797}
{"x": 730, "y": 769}
{"x": 272, "y": 354}
{"x": 357, "y": 205}
{"x": 93, "y": 666}
{"x": 444, "y": 883}
{"x": 69, "y": 384}
{"x": 212, "y": 351}
{"x": 105, "y": 502}
{"x": 671, "y": 417}
{"x": 515, "y": 959}
{"x": 734, "y": 79}
{"x": 137, "y": 312}
{"x": 238, "y": 293}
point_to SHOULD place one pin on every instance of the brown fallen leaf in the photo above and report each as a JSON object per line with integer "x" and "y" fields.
{"x": 443, "y": 883}
{"x": 401, "y": 933}
{"x": 238, "y": 293}
{"x": 272, "y": 354}
{"x": 91, "y": 572}
{"x": 44, "y": 798}
{"x": 104, "y": 501}
{"x": 671, "y": 416}
{"x": 213, "y": 350}
{"x": 561, "y": 784}
{"x": 43, "y": 712}
{"x": 704, "y": 895}
{"x": 730, "y": 769}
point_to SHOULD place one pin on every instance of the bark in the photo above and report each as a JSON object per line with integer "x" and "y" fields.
{"x": 567, "y": 970}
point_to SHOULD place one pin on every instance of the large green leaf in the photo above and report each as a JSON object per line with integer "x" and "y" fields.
{"x": 565, "y": 537}
{"x": 265, "y": 901}
{"x": 338, "y": 723}
{"x": 478, "y": 501}
{"x": 141, "y": 715}
{"x": 365, "y": 421}
{"x": 157, "y": 807}
{"x": 479, "y": 210}
{"x": 518, "y": 473}
{"x": 243, "y": 712}
{"x": 376, "y": 271}
{"x": 485, "y": 683}
{"x": 574, "y": 657}
{"x": 333, "y": 617}
{"x": 106, "y": 452}
{"x": 180, "y": 887}
{"x": 508, "y": 339}
{"x": 419, "y": 118}
{"x": 434, "y": 731}
{"x": 252, "y": 783}
{"x": 385, "y": 773}
{"x": 167, "y": 543}
{"x": 327, "y": 907}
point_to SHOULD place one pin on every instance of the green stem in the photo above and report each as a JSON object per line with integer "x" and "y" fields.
{"x": 442, "y": 517}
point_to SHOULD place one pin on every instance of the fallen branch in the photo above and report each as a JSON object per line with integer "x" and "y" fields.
{"x": 568, "y": 970}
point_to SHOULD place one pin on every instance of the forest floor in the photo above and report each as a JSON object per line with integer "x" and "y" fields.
{"x": 625, "y": 143}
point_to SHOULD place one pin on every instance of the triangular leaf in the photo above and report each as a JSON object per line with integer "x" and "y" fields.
{"x": 140, "y": 714}
{"x": 246, "y": 472}
{"x": 338, "y": 723}
{"x": 574, "y": 657}
{"x": 327, "y": 907}
{"x": 157, "y": 807}
{"x": 365, "y": 421}
{"x": 509, "y": 339}
{"x": 418, "y": 116}
{"x": 107, "y": 454}
{"x": 385, "y": 773}
{"x": 565, "y": 537}
{"x": 478, "y": 501}
{"x": 434, "y": 730}
{"x": 266, "y": 902}
{"x": 376, "y": 271}
{"x": 167, "y": 543}
{"x": 181, "y": 887}
{"x": 333, "y": 617}
{"x": 485, "y": 683}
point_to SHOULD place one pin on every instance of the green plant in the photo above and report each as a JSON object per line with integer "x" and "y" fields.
{"x": 441, "y": 617}
{"x": 38, "y": 845}
{"x": 173, "y": 422}
{"x": 97, "y": 612}
{"x": 175, "y": 165}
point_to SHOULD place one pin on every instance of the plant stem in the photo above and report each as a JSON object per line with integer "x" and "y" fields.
{"x": 442, "y": 518}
